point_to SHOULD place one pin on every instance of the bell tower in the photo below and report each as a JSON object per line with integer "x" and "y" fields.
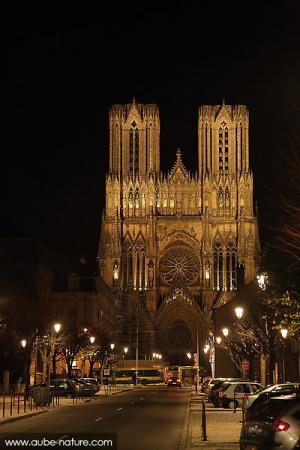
{"x": 223, "y": 145}
{"x": 134, "y": 131}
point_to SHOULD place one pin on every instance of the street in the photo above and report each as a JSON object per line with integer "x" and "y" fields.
{"x": 151, "y": 417}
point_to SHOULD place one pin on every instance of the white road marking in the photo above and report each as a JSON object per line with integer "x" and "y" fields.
{"x": 99, "y": 418}
{"x": 119, "y": 409}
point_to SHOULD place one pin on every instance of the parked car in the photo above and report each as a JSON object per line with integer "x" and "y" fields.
{"x": 93, "y": 382}
{"x": 213, "y": 395}
{"x": 86, "y": 389}
{"x": 274, "y": 390}
{"x": 64, "y": 387}
{"x": 231, "y": 395}
{"x": 210, "y": 382}
{"x": 174, "y": 381}
{"x": 272, "y": 423}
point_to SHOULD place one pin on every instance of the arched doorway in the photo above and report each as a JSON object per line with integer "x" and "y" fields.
{"x": 178, "y": 322}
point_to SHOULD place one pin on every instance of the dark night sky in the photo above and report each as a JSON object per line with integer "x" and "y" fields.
{"x": 64, "y": 68}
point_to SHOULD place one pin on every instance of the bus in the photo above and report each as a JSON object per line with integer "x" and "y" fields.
{"x": 146, "y": 375}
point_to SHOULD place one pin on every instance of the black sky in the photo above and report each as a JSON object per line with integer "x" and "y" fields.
{"x": 64, "y": 67}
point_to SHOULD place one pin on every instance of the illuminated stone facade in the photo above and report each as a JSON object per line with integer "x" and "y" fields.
{"x": 173, "y": 246}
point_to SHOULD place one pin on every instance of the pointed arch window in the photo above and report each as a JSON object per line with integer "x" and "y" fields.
{"x": 137, "y": 153}
{"x": 127, "y": 266}
{"x": 138, "y": 270}
{"x": 231, "y": 267}
{"x": 220, "y": 201}
{"x": 140, "y": 267}
{"x": 134, "y": 149}
{"x": 218, "y": 267}
{"x": 241, "y": 146}
{"x": 131, "y": 155}
{"x": 223, "y": 149}
{"x": 143, "y": 268}
{"x": 206, "y": 146}
{"x": 115, "y": 142}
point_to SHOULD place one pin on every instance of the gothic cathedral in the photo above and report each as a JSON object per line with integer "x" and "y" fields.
{"x": 175, "y": 246}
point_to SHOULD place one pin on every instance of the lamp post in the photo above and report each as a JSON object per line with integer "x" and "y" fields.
{"x": 57, "y": 327}
{"x": 284, "y": 333}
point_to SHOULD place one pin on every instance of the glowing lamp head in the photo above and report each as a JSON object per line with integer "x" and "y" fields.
{"x": 218, "y": 340}
{"x": 92, "y": 339}
{"x": 57, "y": 327}
{"x": 284, "y": 332}
{"x": 112, "y": 346}
{"x": 189, "y": 355}
{"x": 239, "y": 311}
{"x": 23, "y": 343}
{"x": 225, "y": 332}
{"x": 206, "y": 348}
{"x": 125, "y": 349}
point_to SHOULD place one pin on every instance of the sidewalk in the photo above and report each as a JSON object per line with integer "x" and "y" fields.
{"x": 223, "y": 426}
{"x": 14, "y": 410}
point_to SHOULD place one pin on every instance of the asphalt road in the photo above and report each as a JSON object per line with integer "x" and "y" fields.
{"x": 149, "y": 418}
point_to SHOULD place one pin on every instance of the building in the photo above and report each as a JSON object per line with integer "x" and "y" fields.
{"x": 175, "y": 246}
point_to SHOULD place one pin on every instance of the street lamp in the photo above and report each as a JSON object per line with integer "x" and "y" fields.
{"x": 125, "y": 350}
{"x": 189, "y": 355}
{"x": 112, "y": 346}
{"x": 92, "y": 339}
{"x": 23, "y": 343}
{"x": 284, "y": 333}
{"x": 57, "y": 327}
{"x": 218, "y": 340}
{"x": 225, "y": 332}
{"x": 239, "y": 311}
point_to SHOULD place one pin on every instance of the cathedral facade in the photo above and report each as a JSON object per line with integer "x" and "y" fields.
{"x": 176, "y": 246}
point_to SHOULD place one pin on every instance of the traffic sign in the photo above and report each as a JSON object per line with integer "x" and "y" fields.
{"x": 245, "y": 365}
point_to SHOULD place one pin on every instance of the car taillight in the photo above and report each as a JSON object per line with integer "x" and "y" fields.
{"x": 280, "y": 425}
{"x": 246, "y": 397}
{"x": 178, "y": 381}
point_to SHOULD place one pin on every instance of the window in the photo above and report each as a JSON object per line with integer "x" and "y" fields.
{"x": 134, "y": 150}
{"x": 231, "y": 267}
{"x": 223, "y": 148}
{"x": 218, "y": 267}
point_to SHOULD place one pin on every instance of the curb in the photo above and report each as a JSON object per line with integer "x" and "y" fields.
{"x": 215, "y": 445}
{"x": 185, "y": 432}
{"x": 15, "y": 419}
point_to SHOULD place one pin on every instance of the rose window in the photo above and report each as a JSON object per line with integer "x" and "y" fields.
{"x": 179, "y": 266}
